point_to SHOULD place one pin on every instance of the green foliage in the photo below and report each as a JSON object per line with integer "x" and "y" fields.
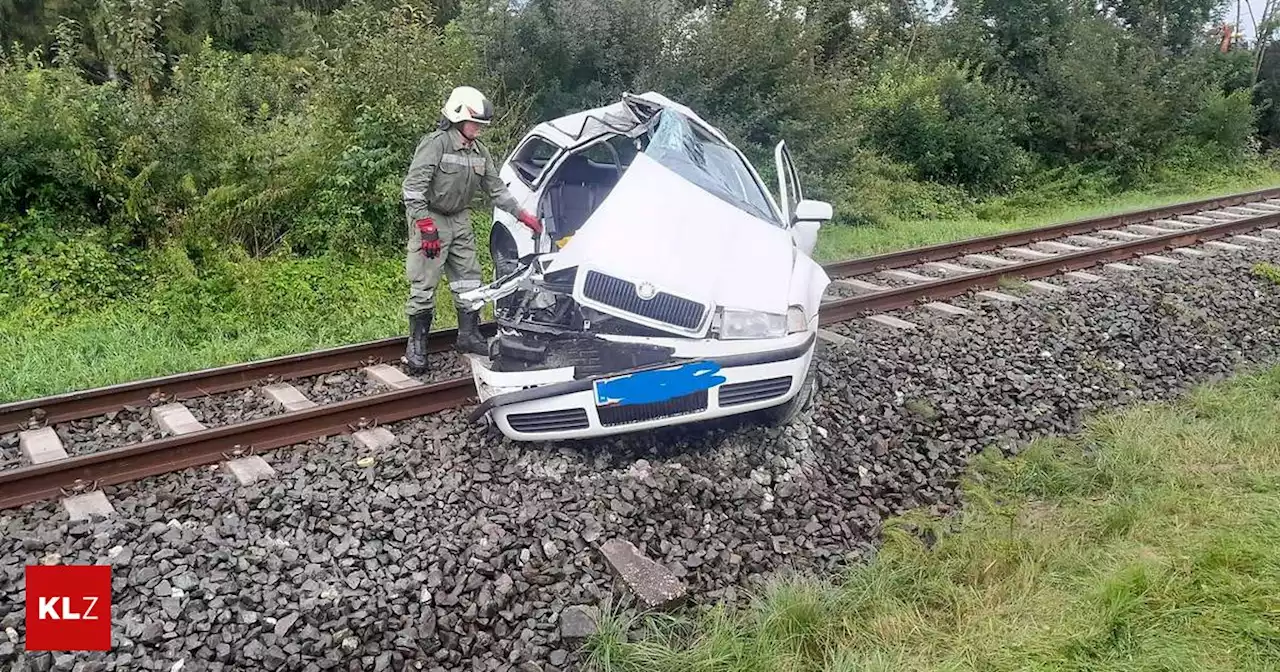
{"x": 269, "y": 152}
{"x": 1266, "y": 271}
{"x": 950, "y": 125}
{"x": 284, "y": 128}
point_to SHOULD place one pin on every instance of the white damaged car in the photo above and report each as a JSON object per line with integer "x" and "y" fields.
{"x": 667, "y": 287}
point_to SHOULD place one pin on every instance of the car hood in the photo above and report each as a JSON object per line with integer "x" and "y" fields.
{"x": 657, "y": 227}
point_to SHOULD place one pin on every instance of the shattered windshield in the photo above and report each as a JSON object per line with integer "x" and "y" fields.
{"x": 708, "y": 163}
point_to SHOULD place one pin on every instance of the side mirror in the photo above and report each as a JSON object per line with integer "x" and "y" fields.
{"x": 806, "y": 221}
{"x": 813, "y": 211}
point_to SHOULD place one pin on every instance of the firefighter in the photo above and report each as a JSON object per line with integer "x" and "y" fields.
{"x": 448, "y": 167}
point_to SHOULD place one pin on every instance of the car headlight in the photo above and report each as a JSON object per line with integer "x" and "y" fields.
{"x": 744, "y": 324}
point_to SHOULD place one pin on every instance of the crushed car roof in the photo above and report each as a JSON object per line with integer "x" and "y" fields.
{"x": 582, "y": 127}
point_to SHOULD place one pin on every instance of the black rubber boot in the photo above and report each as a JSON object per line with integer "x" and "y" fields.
{"x": 469, "y": 338}
{"x": 415, "y": 352}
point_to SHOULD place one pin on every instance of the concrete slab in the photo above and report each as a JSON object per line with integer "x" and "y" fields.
{"x": 375, "y": 439}
{"x": 1263, "y": 207}
{"x": 1060, "y": 247}
{"x": 1086, "y": 277}
{"x": 389, "y": 376}
{"x": 1045, "y": 286}
{"x": 176, "y": 419}
{"x": 250, "y": 470}
{"x": 89, "y": 505}
{"x": 41, "y": 445}
{"x": 1157, "y": 259}
{"x": 1199, "y": 219}
{"x": 1223, "y": 216}
{"x": 999, "y": 297}
{"x": 1253, "y": 239}
{"x": 860, "y": 286}
{"x": 1121, "y": 235}
{"x": 1092, "y": 241}
{"x": 892, "y": 322}
{"x": 653, "y": 585}
{"x": 1248, "y": 211}
{"x": 1175, "y": 224}
{"x": 907, "y": 276}
{"x": 1189, "y": 252}
{"x": 1271, "y": 232}
{"x": 1152, "y": 230}
{"x": 947, "y": 309}
{"x": 988, "y": 260}
{"x": 289, "y": 397}
{"x": 1230, "y": 247}
{"x": 951, "y": 269}
{"x": 1128, "y": 268}
{"x": 835, "y": 339}
{"x": 1024, "y": 253}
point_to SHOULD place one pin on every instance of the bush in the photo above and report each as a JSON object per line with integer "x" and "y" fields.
{"x": 269, "y": 152}
{"x": 950, "y": 125}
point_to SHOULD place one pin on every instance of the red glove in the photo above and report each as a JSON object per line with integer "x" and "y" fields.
{"x": 430, "y": 237}
{"x": 528, "y": 219}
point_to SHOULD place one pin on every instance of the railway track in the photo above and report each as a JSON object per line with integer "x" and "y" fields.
{"x": 1173, "y": 227}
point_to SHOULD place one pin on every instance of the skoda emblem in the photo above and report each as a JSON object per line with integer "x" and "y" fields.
{"x": 646, "y": 291}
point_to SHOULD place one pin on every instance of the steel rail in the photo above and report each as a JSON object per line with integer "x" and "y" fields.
{"x": 176, "y": 387}
{"x": 87, "y": 403}
{"x": 119, "y": 465}
{"x": 939, "y": 252}
{"x": 902, "y": 297}
{"x": 129, "y": 463}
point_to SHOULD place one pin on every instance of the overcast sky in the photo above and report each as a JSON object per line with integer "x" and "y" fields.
{"x": 1246, "y": 25}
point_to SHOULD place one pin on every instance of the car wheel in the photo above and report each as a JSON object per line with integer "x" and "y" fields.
{"x": 506, "y": 258}
{"x": 784, "y": 414}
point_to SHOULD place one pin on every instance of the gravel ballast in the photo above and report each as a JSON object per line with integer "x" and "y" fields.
{"x": 459, "y": 550}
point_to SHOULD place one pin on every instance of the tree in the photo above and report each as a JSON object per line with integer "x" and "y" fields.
{"x": 1172, "y": 24}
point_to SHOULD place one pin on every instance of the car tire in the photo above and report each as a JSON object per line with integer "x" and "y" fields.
{"x": 786, "y": 413}
{"x": 505, "y": 256}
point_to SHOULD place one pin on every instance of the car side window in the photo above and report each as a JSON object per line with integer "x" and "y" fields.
{"x": 532, "y": 158}
{"x": 603, "y": 153}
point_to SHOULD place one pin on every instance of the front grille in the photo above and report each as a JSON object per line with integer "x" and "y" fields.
{"x": 756, "y": 390}
{"x": 624, "y": 415}
{"x": 549, "y": 421}
{"x": 664, "y": 307}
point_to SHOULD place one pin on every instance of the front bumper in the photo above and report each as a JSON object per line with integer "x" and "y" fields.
{"x": 552, "y": 405}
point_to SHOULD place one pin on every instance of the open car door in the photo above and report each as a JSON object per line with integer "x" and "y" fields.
{"x": 800, "y": 215}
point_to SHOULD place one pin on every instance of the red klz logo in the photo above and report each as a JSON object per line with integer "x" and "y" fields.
{"x": 69, "y": 608}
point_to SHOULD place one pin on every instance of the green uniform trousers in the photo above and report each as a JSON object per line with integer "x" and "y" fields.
{"x": 457, "y": 258}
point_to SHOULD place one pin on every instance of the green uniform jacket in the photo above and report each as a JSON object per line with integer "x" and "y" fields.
{"x": 442, "y": 181}
{"x": 447, "y": 171}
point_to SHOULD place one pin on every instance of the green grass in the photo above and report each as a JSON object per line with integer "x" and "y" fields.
{"x": 240, "y": 311}
{"x": 1267, "y": 271}
{"x": 228, "y": 309}
{"x": 1026, "y": 211}
{"x": 1149, "y": 544}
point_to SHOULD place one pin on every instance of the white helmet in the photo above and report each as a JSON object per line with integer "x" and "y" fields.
{"x": 468, "y": 104}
